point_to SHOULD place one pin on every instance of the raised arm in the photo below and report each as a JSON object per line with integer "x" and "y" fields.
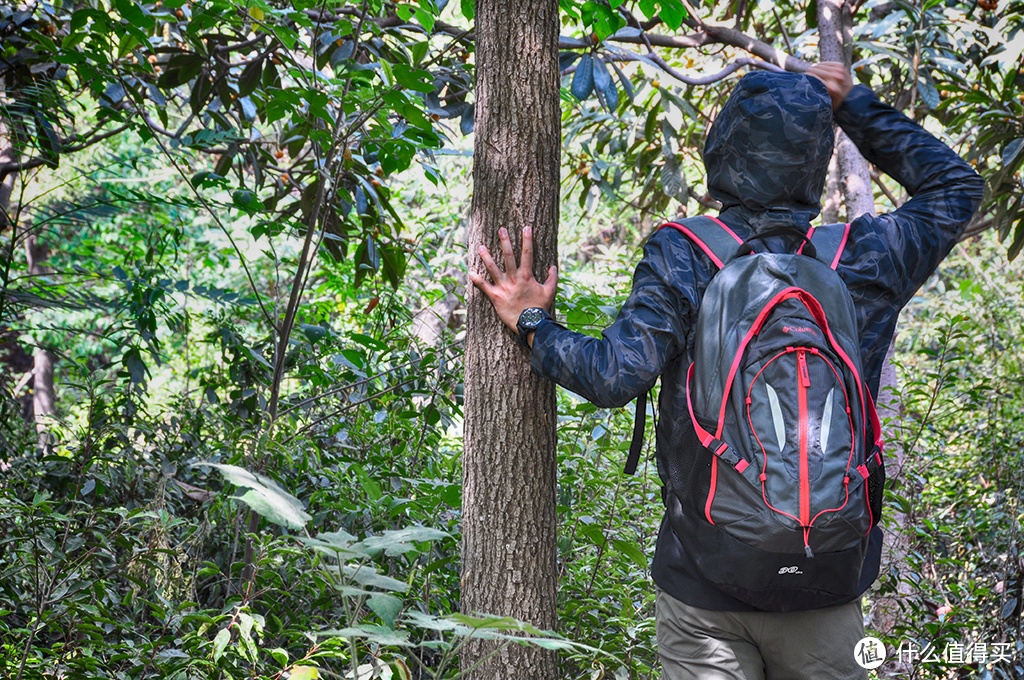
{"x": 945, "y": 190}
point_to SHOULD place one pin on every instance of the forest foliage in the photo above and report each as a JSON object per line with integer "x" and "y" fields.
{"x": 250, "y": 221}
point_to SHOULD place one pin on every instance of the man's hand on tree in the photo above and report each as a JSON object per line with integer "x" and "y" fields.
{"x": 515, "y": 289}
{"x": 837, "y": 80}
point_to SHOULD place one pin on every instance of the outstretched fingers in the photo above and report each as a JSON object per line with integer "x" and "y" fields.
{"x": 527, "y": 260}
{"x": 506, "y": 249}
{"x": 490, "y": 265}
{"x": 551, "y": 283}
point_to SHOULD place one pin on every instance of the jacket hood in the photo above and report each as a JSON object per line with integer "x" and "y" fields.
{"x": 770, "y": 146}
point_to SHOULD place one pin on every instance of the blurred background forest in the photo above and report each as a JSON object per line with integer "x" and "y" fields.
{"x": 232, "y": 320}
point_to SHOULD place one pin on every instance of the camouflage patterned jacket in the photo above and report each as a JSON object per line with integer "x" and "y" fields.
{"x": 767, "y": 157}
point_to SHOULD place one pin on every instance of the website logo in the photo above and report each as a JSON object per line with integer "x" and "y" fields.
{"x": 869, "y": 653}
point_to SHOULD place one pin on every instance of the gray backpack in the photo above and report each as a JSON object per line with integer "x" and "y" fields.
{"x": 780, "y": 477}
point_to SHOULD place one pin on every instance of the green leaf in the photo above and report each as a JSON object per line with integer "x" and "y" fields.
{"x": 181, "y": 68}
{"x": 393, "y": 263}
{"x": 428, "y": 621}
{"x": 483, "y": 622}
{"x": 379, "y": 634}
{"x": 135, "y": 366}
{"x": 606, "y": 22}
{"x": 467, "y": 8}
{"x": 811, "y": 14}
{"x": 341, "y": 539}
{"x": 220, "y": 643}
{"x": 366, "y": 575}
{"x": 386, "y": 607}
{"x": 250, "y": 78}
{"x": 369, "y": 341}
{"x": 627, "y": 84}
{"x": 207, "y": 180}
{"x": 246, "y": 200}
{"x": 313, "y": 333}
{"x": 1018, "y": 242}
{"x": 398, "y": 542}
{"x": 1011, "y": 152}
{"x": 371, "y": 487}
{"x": 304, "y": 673}
{"x": 929, "y": 95}
{"x": 631, "y": 551}
{"x": 264, "y": 496}
{"x": 605, "y": 87}
{"x": 413, "y": 78}
{"x": 567, "y": 59}
{"x": 672, "y": 181}
{"x": 48, "y": 141}
{"x": 672, "y": 13}
{"x": 426, "y": 18}
{"x": 583, "y": 79}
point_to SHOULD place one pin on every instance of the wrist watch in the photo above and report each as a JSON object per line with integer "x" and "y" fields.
{"x": 529, "y": 320}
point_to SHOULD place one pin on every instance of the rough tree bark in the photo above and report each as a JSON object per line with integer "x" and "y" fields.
{"x": 509, "y": 524}
{"x": 835, "y": 25}
{"x": 832, "y": 202}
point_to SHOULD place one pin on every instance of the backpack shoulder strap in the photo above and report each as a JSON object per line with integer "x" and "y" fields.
{"x": 711, "y": 235}
{"x": 829, "y": 241}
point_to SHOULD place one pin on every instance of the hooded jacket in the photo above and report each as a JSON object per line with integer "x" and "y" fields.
{"x": 767, "y": 157}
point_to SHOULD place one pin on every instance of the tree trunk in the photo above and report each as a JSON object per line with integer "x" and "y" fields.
{"x": 8, "y": 154}
{"x": 831, "y": 204}
{"x": 509, "y": 524}
{"x": 835, "y": 44}
{"x": 11, "y": 353}
{"x": 44, "y": 395}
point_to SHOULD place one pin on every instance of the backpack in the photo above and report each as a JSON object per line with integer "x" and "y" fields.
{"x": 779, "y": 479}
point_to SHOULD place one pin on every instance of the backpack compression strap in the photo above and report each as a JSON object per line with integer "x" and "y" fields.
{"x": 639, "y": 420}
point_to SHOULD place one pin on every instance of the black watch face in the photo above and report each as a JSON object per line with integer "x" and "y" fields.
{"x": 531, "y": 317}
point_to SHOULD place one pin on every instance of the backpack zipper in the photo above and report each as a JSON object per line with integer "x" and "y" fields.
{"x": 803, "y": 382}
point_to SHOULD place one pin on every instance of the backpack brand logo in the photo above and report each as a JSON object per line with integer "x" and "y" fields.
{"x": 790, "y": 570}
{"x": 798, "y": 329}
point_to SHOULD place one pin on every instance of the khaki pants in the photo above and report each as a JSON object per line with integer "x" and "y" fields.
{"x": 708, "y": 645}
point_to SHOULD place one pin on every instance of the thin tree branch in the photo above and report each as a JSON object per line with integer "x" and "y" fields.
{"x": 730, "y": 36}
{"x": 876, "y": 176}
{"x": 782, "y": 30}
{"x": 707, "y": 34}
{"x": 237, "y": 47}
{"x": 738, "y": 64}
{"x": 346, "y": 407}
{"x": 36, "y": 161}
{"x": 216, "y": 218}
{"x": 977, "y": 227}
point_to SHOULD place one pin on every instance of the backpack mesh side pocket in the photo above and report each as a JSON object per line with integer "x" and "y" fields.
{"x": 689, "y": 467}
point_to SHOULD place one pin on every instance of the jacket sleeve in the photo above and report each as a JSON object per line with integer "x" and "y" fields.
{"x": 651, "y": 328}
{"x": 945, "y": 193}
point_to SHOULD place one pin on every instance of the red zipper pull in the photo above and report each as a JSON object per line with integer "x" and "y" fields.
{"x": 801, "y": 358}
